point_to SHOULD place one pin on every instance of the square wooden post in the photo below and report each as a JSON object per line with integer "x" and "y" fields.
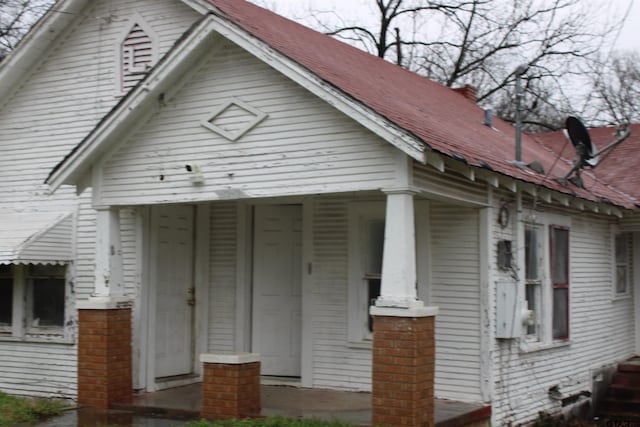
{"x": 104, "y": 355}
{"x": 403, "y": 366}
{"x": 231, "y": 385}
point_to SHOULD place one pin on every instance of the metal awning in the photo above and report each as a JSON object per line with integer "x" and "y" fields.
{"x": 35, "y": 237}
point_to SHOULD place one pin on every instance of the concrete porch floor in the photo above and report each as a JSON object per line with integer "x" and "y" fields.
{"x": 295, "y": 402}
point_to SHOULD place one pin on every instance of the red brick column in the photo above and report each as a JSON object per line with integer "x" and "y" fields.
{"x": 403, "y": 367}
{"x": 104, "y": 357}
{"x": 230, "y": 386}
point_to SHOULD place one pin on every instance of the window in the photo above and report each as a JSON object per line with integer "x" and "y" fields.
{"x": 32, "y": 299}
{"x": 6, "y": 297}
{"x": 546, "y": 272}
{"x": 366, "y": 240}
{"x": 560, "y": 281}
{"x": 622, "y": 276}
{"x": 46, "y": 285}
{"x": 533, "y": 277}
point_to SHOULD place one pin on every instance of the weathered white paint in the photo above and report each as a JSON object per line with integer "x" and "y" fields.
{"x": 398, "y": 288}
{"x": 46, "y": 108}
{"x": 277, "y": 289}
{"x": 451, "y": 187}
{"x": 36, "y": 237}
{"x": 108, "y": 280}
{"x": 173, "y": 264}
{"x": 316, "y": 149}
{"x": 223, "y": 277}
{"x": 455, "y": 287}
{"x": 601, "y": 331}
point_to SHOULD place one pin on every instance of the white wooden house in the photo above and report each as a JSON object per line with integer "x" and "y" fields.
{"x": 248, "y": 183}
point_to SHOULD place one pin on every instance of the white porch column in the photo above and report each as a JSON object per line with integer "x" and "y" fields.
{"x": 109, "y": 277}
{"x": 398, "y": 287}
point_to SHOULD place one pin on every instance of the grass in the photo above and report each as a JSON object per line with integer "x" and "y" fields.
{"x": 14, "y": 410}
{"x": 270, "y": 422}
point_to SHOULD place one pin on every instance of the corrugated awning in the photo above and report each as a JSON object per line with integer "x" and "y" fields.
{"x": 35, "y": 238}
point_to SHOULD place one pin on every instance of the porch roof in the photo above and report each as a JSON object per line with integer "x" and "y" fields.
{"x": 35, "y": 238}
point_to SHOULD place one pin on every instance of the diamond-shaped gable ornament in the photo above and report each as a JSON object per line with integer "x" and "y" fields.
{"x": 233, "y": 119}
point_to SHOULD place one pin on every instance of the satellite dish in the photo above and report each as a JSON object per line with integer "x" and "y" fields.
{"x": 586, "y": 153}
{"x": 581, "y": 140}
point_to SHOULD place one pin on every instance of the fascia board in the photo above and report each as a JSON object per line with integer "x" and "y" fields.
{"x": 125, "y": 114}
{"x": 36, "y": 42}
{"x": 379, "y": 125}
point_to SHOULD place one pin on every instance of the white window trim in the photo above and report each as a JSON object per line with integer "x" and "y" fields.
{"x": 544, "y": 320}
{"x": 615, "y": 295}
{"x": 358, "y": 308}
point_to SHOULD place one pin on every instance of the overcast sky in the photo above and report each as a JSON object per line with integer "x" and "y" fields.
{"x": 299, "y": 9}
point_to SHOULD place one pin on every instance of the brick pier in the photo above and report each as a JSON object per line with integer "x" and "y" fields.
{"x": 230, "y": 386}
{"x": 104, "y": 357}
{"x": 403, "y": 368}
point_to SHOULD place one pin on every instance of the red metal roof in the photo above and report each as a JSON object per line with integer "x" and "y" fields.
{"x": 617, "y": 167}
{"x": 442, "y": 119}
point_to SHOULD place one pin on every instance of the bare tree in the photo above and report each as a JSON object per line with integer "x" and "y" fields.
{"x": 616, "y": 89}
{"x": 16, "y": 17}
{"x": 481, "y": 42}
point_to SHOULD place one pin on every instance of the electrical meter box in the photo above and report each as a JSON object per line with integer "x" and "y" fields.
{"x": 508, "y": 323}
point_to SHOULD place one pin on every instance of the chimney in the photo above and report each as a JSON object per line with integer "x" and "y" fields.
{"x": 468, "y": 91}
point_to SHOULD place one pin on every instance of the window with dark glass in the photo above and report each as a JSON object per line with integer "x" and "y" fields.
{"x": 373, "y": 270}
{"x": 6, "y": 295}
{"x": 560, "y": 281}
{"x": 622, "y": 248}
{"x": 533, "y": 276}
{"x": 47, "y": 284}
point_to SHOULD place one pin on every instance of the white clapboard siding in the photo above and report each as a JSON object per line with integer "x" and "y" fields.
{"x": 50, "y": 111}
{"x": 222, "y": 276}
{"x": 38, "y": 369}
{"x": 65, "y": 95}
{"x": 335, "y": 363}
{"x": 601, "y": 333}
{"x": 302, "y": 146}
{"x": 455, "y": 289}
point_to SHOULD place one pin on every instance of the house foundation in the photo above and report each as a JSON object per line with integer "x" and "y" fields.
{"x": 104, "y": 357}
{"x": 403, "y": 367}
{"x": 230, "y": 385}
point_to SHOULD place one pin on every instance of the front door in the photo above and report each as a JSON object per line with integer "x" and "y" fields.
{"x": 174, "y": 346}
{"x": 277, "y": 277}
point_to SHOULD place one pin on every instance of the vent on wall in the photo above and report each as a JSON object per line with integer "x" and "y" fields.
{"x": 136, "y": 54}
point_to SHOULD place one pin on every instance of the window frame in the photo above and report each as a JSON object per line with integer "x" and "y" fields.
{"x": 360, "y": 214}
{"x": 22, "y": 327}
{"x": 544, "y": 223}
{"x": 29, "y": 315}
{"x": 615, "y": 263}
{"x": 8, "y": 329}
{"x": 537, "y": 283}
{"x": 554, "y": 229}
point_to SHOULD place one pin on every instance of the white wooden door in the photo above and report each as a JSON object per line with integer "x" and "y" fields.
{"x": 277, "y": 277}
{"x": 174, "y": 290}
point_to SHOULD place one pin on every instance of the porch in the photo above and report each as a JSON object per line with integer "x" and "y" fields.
{"x": 295, "y": 402}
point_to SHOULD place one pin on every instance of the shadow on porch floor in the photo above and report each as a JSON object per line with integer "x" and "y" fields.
{"x": 294, "y": 402}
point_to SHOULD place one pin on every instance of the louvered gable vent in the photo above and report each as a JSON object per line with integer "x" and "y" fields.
{"x": 136, "y": 57}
